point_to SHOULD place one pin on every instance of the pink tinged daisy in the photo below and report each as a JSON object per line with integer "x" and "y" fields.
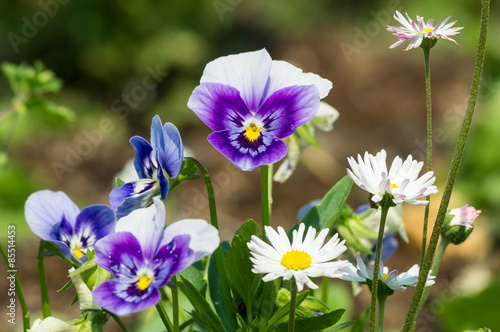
{"x": 394, "y": 280}
{"x": 401, "y": 182}
{"x": 252, "y": 102}
{"x": 464, "y": 216}
{"x": 303, "y": 259}
{"x": 417, "y": 31}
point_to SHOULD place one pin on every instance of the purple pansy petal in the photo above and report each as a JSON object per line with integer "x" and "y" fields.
{"x": 219, "y": 106}
{"x": 143, "y": 152}
{"x": 204, "y": 237}
{"x": 146, "y": 225}
{"x": 289, "y": 108}
{"x": 266, "y": 150}
{"x": 157, "y": 137}
{"x": 247, "y": 72}
{"x": 284, "y": 74}
{"x": 163, "y": 182}
{"x": 174, "y": 150}
{"x": 172, "y": 259}
{"x": 124, "y": 298}
{"x": 120, "y": 253}
{"x": 45, "y": 208}
{"x": 132, "y": 195}
{"x": 93, "y": 223}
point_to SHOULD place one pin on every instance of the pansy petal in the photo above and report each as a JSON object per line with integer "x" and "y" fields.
{"x": 174, "y": 150}
{"x": 132, "y": 195}
{"x": 157, "y": 136}
{"x": 145, "y": 161}
{"x": 172, "y": 259}
{"x": 247, "y": 72}
{"x": 45, "y": 208}
{"x": 119, "y": 253}
{"x": 266, "y": 150}
{"x": 219, "y": 106}
{"x": 123, "y": 299}
{"x": 204, "y": 237}
{"x": 289, "y": 108}
{"x": 147, "y": 225}
{"x": 93, "y": 223}
{"x": 284, "y": 74}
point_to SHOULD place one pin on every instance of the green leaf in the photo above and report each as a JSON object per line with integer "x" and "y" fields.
{"x": 306, "y": 133}
{"x": 284, "y": 310}
{"x": 195, "y": 274}
{"x": 352, "y": 240}
{"x": 327, "y": 213}
{"x": 188, "y": 172}
{"x": 360, "y": 323}
{"x": 66, "y": 286}
{"x": 312, "y": 324}
{"x": 119, "y": 182}
{"x": 238, "y": 263}
{"x": 48, "y": 249}
{"x": 215, "y": 288}
{"x": 342, "y": 326}
{"x": 200, "y": 304}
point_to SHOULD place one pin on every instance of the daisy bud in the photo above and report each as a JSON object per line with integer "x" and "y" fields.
{"x": 457, "y": 225}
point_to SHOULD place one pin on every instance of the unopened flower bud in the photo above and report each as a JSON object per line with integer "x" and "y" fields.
{"x": 457, "y": 225}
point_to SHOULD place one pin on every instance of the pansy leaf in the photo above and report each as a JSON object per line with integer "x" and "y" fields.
{"x": 48, "y": 249}
{"x": 188, "y": 172}
{"x": 118, "y": 182}
{"x": 195, "y": 274}
{"x": 66, "y": 286}
{"x": 238, "y": 264}
{"x": 306, "y": 133}
{"x": 207, "y": 316}
{"x": 215, "y": 288}
{"x": 312, "y": 324}
{"x": 360, "y": 323}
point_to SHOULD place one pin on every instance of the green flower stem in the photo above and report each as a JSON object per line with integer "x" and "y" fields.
{"x": 325, "y": 282}
{"x": 219, "y": 257}
{"x": 266, "y": 197}
{"x": 427, "y": 51}
{"x": 381, "y": 312}
{"x": 164, "y": 317}
{"x": 293, "y": 304}
{"x": 43, "y": 284}
{"x": 175, "y": 304}
{"x": 19, "y": 291}
{"x": 443, "y": 244}
{"x": 385, "y": 204}
{"x": 118, "y": 321}
{"x": 452, "y": 174}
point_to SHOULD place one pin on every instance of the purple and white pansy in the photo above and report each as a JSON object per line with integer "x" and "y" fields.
{"x": 153, "y": 162}
{"x": 252, "y": 102}
{"x": 54, "y": 217}
{"x": 143, "y": 255}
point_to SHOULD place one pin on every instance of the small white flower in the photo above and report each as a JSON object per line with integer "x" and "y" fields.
{"x": 304, "y": 258}
{"x": 401, "y": 182}
{"x": 420, "y": 30}
{"x": 400, "y": 282}
{"x": 464, "y": 216}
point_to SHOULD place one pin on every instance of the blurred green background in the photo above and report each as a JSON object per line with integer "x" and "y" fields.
{"x": 124, "y": 61}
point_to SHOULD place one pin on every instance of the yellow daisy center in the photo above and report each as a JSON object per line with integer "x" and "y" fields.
{"x": 427, "y": 30}
{"x": 384, "y": 277}
{"x": 143, "y": 283}
{"x": 296, "y": 260}
{"x": 394, "y": 186}
{"x": 252, "y": 133}
{"x": 78, "y": 253}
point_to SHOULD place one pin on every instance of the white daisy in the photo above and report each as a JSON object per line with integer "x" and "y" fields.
{"x": 464, "y": 216}
{"x": 401, "y": 182}
{"x": 393, "y": 280}
{"x": 304, "y": 258}
{"x": 420, "y": 30}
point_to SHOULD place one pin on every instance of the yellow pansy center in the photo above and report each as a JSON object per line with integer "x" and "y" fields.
{"x": 78, "y": 253}
{"x": 143, "y": 283}
{"x": 394, "y": 186}
{"x": 296, "y": 260}
{"x": 252, "y": 133}
{"x": 427, "y": 30}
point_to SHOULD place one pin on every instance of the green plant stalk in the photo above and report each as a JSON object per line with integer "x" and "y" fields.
{"x": 219, "y": 257}
{"x": 43, "y": 284}
{"x": 175, "y": 304}
{"x": 384, "y": 204}
{"x": 164, "y": 317}
{"x": 427, "y": 51}
{"x": 118, "y": 321}
{"x": 452, "y": 173}
{"x": 293, "y": 305}
{"x": 381, "y": 312}
{"x": 19, "y": 291}
{"x": 443, "y": 244}
{"x": 325, "y": 282}
{"x": 266, "y": 197}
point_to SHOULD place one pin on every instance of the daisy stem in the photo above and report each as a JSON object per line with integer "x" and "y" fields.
{"x": 19, "y": 290}
{"x": 427, "y": 51}
{"x": 43, "y": 284}
{"x": 266, "y": 197}
{"x": 443, "y": 244}
{"x": 175, "y": 304}
{"x": 381, "y": 312}
{"x": 219, "y": 258}
{"x": 293, "y": 304}
{"x": 324, "y": 289}
{"x": 164, "y": 317}
{"x": 385, "y": 204}
{"x": 453, "y": 171}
